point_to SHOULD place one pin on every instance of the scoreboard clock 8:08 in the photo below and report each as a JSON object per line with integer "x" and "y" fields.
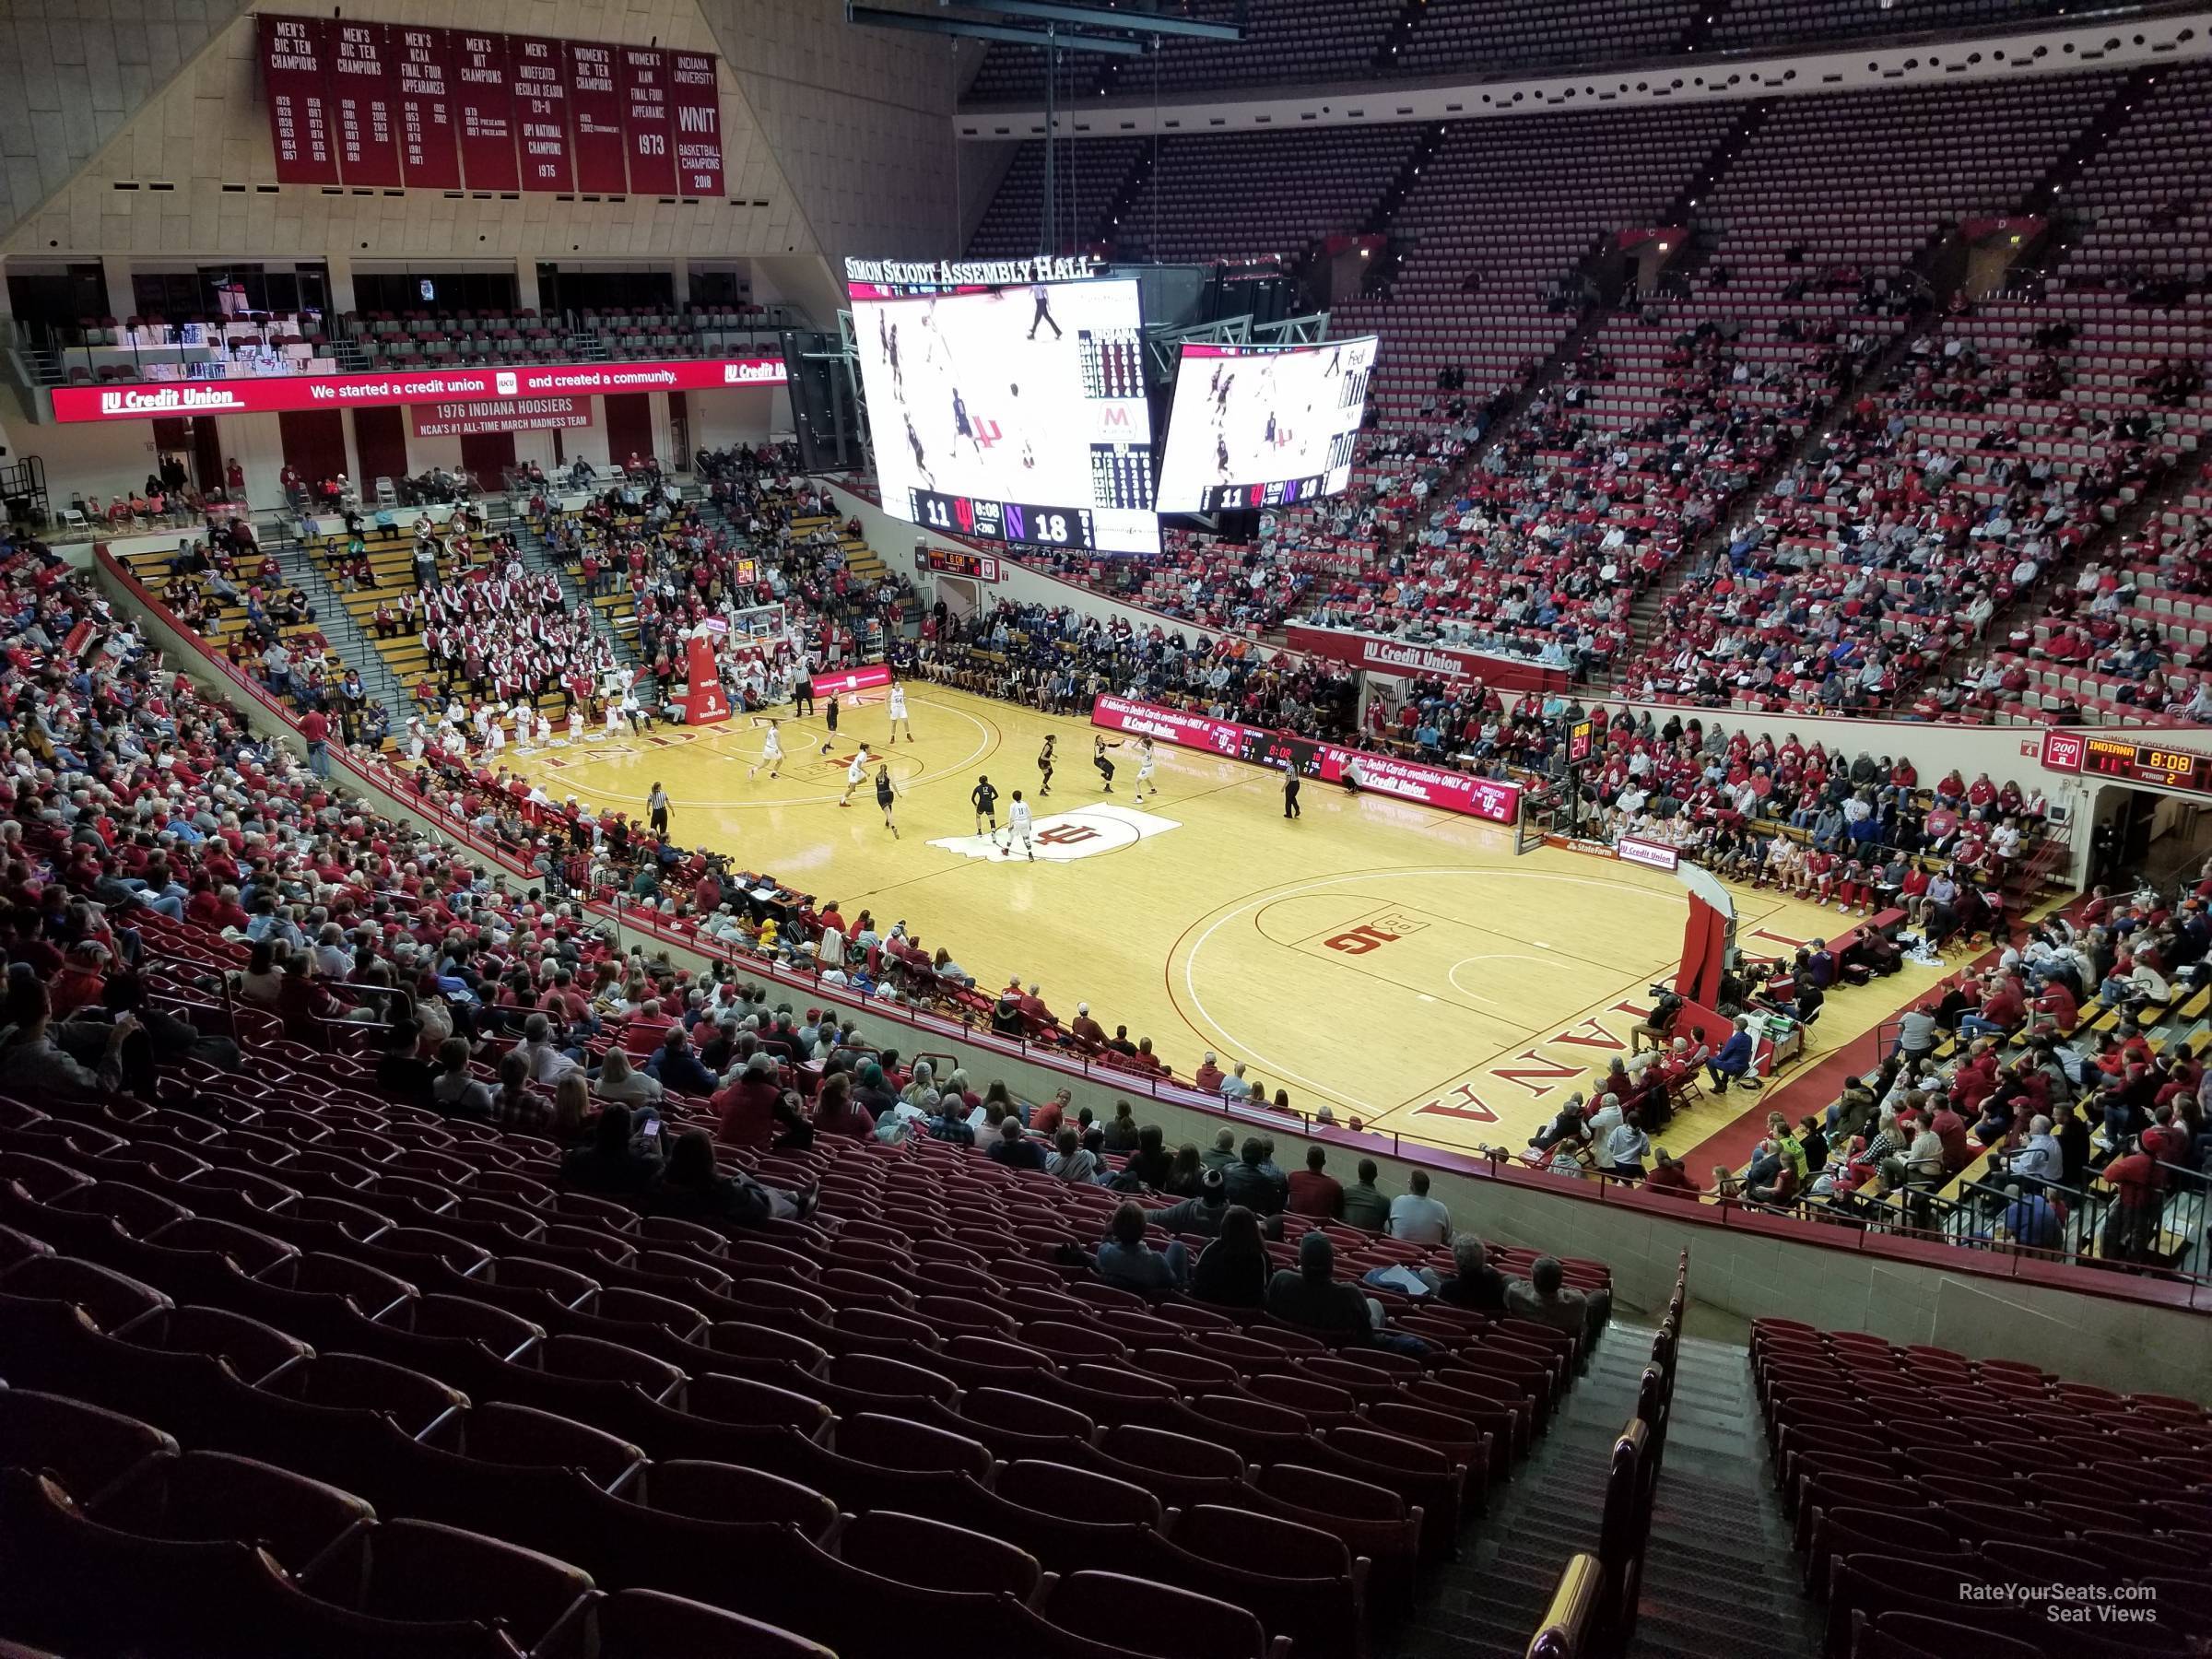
{"x": 2147, "y": 763}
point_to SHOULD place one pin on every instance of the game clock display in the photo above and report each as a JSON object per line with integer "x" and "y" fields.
{"x": 1003, "y": 521}
{"x": 2147, "y": 763}
{"x": 1300, "y": 755}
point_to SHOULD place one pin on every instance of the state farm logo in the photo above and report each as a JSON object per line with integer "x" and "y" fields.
{"x": 506, "y": 383}
{"x": 752, "y": 373}
{"x": 140, "y": 400}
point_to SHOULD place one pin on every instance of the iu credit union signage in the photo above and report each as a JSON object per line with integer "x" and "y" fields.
{"x": 276, "y": 394}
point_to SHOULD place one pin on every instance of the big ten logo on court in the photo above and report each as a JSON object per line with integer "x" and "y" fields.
{"x": 1372, "y": 936}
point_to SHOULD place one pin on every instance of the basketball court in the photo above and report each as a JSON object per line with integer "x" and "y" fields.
{"x": 1339, "y": 956}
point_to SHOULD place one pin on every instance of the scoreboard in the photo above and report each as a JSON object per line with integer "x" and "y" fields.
{"x": 2147, "y": 763}
{"x": 953, "y": 561}
{"x": 1019, "y": 522}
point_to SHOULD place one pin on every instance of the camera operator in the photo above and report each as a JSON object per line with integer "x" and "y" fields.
{"x": 1659, "y": 1023}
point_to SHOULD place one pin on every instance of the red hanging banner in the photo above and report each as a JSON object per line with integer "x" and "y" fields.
{"x": 541, "y": 113}
{"x": 697, "y": 103}
{"x": 647, "y": 123}
{"x": 487, "y": 111}
{"x": 595, "y": 118}
{"x": 294, "y": 69}
{"x": 368, "y": 126}
{"x": 429, "y": 146}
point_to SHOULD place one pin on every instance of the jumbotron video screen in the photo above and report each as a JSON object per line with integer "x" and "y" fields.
{"x": 1012, "y": 414}
{"x": 1266, "y": 426}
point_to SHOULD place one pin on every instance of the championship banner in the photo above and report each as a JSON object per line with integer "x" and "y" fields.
{"x": 273, "y": 394}
{"x": 595, "y": 118}
{"x": 383, "y": 105}
{"x": 703, "y": 702}
{"x": 541, "y": 113}
{"x": 508, "y": 415}
{"x": 648, "y": 119}
{"x": 363, "y": 78}
{"x": 1487, "y": 798}
{"x": 845, "y": 681}
{"x": 295, "y": 68}
{"x": 487, "y": 111}
{"x": 429, "y": 144}
{"x": 697, "y": 103}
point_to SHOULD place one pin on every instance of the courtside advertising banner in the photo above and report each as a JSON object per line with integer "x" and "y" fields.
{"x": 845, "y": 681}
{"x": 273, "y": 393}
{"x": 1485, "y": 798}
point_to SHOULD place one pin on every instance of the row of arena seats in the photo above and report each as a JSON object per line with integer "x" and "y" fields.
{"x": 1804, "y": 217}
{"x": 1928, "y": 1491}
{"x": 415, "y": 1311}
{"x": 1291, "y": 41}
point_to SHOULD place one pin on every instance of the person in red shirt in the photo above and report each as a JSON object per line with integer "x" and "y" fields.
{"x": 1668, "y": 1176}
{"x": 2057, "y": 1004}
{"x": 2137, "y": 1187}
{"x": 314, "y": 727}
{"x": 746, "y": 1110}
{"x": 1315, "y": 1191}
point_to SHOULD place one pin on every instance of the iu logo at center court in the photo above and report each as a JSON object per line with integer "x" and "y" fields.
{"x": 1066, "y": 836}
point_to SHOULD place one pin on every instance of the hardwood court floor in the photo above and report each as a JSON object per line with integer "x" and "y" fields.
{"x": 1398, "y": 962}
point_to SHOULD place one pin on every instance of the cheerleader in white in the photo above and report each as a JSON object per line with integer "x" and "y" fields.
{"x": 575, "y": 724}
{"x": 416, "y": 744}
{"x": 1018, "y": 828}
{"x": 898, "y": 714}
{"x": 771, "y": 753}
{"x": 614, "y": 717}
{"x": 544, "y": 730}
{"x": 1144, "y": 771}
{"x": 495, "y": 733}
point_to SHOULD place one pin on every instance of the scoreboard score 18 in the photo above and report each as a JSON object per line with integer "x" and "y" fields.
{"x": 2147, "y": 763}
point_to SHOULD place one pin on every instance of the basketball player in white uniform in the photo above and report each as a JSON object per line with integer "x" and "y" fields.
{"x": 771, "y": 753}
{"x": 855, "y": 775}
{"x": 1144, "y": 770}
{"x": 1019, "y": 827}
{"x": 898, "y": 714}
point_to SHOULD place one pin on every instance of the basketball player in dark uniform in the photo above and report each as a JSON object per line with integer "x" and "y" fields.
{"x": 1044, "y": 764}
{"x": 1098, "y": 746}
{"x": 959, "y": 422}
{"x": 984, "y": 797}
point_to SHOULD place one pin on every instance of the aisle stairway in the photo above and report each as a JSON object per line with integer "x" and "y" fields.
{"x": 1719, "y": 1574}
{"x": 1485, "y": 1605}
